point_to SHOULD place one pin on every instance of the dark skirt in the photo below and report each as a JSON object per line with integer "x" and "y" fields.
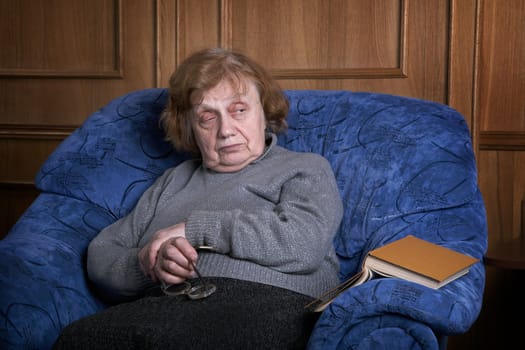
{"x": 239, "y": 315}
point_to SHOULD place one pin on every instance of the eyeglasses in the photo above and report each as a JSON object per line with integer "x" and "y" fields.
{"x": 200, "y": 290}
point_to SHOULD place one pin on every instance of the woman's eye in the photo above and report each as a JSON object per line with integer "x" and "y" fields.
{"x": 239, "y": 110}
{"x": 207, "y": 118}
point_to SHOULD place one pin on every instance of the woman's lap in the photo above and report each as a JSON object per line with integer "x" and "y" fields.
{"x": 239, "y": 315}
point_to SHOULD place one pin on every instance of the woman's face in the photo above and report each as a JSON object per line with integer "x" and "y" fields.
{"x": 229, "y": 126}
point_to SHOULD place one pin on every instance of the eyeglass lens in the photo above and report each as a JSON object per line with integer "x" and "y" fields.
{"x": 200, "y": 290}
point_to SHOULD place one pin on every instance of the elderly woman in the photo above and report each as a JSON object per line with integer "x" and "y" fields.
{"x": 246, "y": 215}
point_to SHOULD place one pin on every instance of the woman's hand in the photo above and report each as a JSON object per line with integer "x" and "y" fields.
{"x": 167, "y": 256}
{"x": 174, "y": 260}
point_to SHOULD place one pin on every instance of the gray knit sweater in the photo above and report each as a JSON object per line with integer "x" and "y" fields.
{"x": 272, "y": 222}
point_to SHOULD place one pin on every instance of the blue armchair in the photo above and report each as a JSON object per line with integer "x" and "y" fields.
{"x": 403, "y": 166}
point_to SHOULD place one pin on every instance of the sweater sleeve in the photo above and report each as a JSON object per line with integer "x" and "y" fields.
{"x": 293, "y": 236}
{"x": 112, "y": 260}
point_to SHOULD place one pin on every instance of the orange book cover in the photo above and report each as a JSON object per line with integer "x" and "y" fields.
{"x": 422, "y": 257}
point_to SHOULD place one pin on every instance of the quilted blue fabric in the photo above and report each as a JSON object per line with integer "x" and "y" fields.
{"x": 403, "y": 166}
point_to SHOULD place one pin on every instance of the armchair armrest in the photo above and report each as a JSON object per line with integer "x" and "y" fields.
{"x": 391, "y": 314}
{"x": 387, "y": 331}
{"x": 42, "y": 274}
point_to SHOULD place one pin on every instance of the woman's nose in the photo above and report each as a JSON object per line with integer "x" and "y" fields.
{"x": 226, "y": 126}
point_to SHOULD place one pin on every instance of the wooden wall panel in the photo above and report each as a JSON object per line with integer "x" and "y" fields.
{"x": 199, "y": 26}
{"x": 49, "y": 38}
{"x": 502, "y": 182}
{"x": 321, "y": 39}
{"x": 64, "y": 92}
{"x": 501, "y": 115}
{"x": 463, "y": 61}
{"x": 502, "y": 71}
{"x": 387, "y": 46}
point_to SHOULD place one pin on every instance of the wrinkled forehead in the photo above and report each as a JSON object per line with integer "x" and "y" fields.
{"x": 239, "y": 86}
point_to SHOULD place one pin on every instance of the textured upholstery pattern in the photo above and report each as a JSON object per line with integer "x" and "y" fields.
{"x": 403, "y": 166}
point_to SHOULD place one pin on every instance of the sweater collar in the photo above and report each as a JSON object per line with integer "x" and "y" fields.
{"x": 270, "y": 142}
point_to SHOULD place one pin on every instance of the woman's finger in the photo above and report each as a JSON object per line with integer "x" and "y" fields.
{"x": 173, "y": 262}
